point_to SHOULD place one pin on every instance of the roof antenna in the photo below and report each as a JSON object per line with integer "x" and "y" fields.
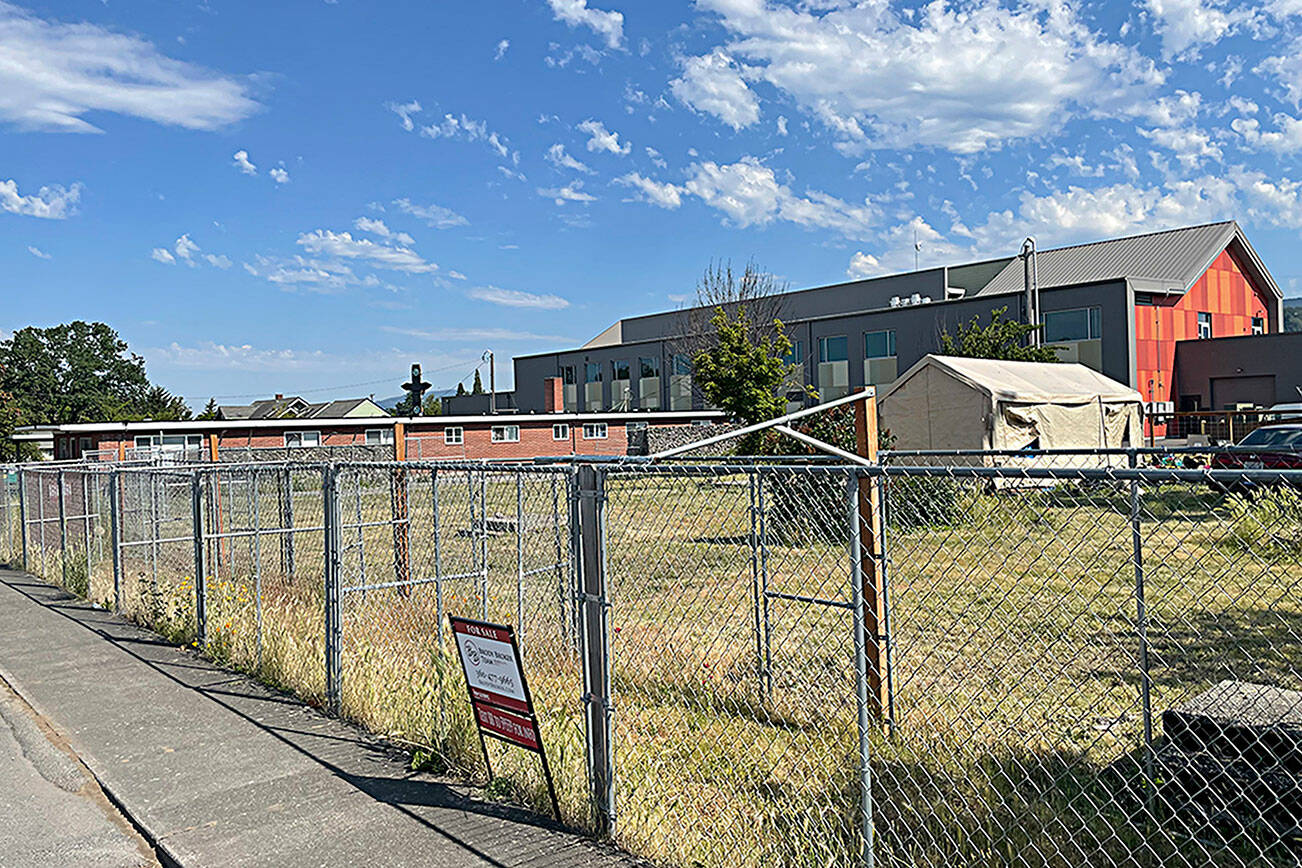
{"x": 917, "y": 247}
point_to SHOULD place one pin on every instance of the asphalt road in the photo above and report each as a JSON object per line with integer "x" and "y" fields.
{"x": 54, "y": 813}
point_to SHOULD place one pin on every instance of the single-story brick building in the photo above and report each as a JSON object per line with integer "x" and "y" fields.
{"x": 497, "y": 437}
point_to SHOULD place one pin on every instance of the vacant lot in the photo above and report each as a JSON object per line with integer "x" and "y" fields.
{"x": 1017, "y": 655}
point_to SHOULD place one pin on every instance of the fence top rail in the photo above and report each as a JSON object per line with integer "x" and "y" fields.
{"x": 1050, "y": 474}
{"x": 1132, "y": 450}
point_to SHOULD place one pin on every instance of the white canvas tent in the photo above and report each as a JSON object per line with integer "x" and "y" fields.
{"x": 946, "y": 402}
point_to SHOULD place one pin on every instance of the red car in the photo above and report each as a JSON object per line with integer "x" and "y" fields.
{"x": 1273, "y": 447}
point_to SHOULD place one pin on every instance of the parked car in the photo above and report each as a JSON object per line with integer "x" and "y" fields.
{"x": 1283, "y": 412}
{"x": 1273, "y": 447}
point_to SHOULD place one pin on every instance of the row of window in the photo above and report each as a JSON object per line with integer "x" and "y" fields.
{"x": 452, "y": 436}
{"x": 456, "y": 435}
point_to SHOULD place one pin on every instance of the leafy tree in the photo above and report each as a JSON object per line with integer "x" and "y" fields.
{"x": 478, "y": 387}
{"x": 999, "y": 339}
{"x": 75, "y": 372}
{"x": 742, "y": 376}
{"x": 209, "y": 411}
{"x": 1293, "y": 315}
{"x": 432, "y": 407}
{"x": 11, "y": 418}
{"x": 161, "y": 405}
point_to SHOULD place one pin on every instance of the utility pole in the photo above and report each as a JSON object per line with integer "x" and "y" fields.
{"x": 1031, "y": 281}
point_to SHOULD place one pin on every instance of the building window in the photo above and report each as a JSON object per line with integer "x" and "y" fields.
{"x": 1258, "y": 325}
{"x": 833, "y": 349}
{"x": 561, "y": 431}
{"x": 648, "y": 367}
{"x": 796, "y": 356}
{"x": 567, "y": 375}
{"x": 879, "y": 345}
{"x": 302, "y": 438}
{"x": 682, "y": 365}
{"x": 1079, "y": 324}
{"x": 619, "y": 369}
{"x": 1204, "y": 325}
{"x": 63, "y": 448}
{"x": 506, "y": 433}
{"x": 454, "y": 436}
{"x": 833, "y": 367}
{"x": 594, "y": 431}
{"x": 379, "y": 436}
{"x": 592, "y": 372}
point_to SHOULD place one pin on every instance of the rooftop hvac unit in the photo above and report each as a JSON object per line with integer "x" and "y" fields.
{"x": 896, "y": 301}
{"x": 916, "y": 298}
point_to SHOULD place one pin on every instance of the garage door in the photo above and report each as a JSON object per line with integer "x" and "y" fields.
{"x": 1228, "y": 391}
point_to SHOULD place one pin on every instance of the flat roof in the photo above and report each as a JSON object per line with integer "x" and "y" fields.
{"x": 373, "y": 422}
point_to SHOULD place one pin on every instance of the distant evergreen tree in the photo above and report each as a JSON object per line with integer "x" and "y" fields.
{"x": 209, "y": 411}
{"x": 461, "y": 389}
{"x": 478, "y": 387}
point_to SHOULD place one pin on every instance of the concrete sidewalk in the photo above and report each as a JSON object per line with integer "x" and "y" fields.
{"x": 217, "y": 770}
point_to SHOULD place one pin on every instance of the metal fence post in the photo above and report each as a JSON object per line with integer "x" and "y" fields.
{"x": 595, "y": 644}
{"x": 1141, "y": 628}
{"x": 764, "y": 583}
{"x": 756, "y": 598}
{"x": 200, "y": 581}
{"x": 22, "y": 513}
{"x": 115, "y": 537}
{"x": 860, "y": 668}
{"x": 333, "y": 625}
{"x": 63, "y": 531}
{"x": 438, "y": 556}
{"x": 519, "y": 554}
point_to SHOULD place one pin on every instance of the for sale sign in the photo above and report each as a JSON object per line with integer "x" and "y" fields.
{"x": 499, "y": 694}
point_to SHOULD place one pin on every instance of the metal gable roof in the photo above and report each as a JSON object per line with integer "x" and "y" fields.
{"x": 1175, "y": 256}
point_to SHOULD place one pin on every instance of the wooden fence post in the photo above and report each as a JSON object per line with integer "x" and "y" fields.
{"x": 874, "y": 592}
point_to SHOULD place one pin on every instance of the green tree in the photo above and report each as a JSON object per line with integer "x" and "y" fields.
{"x": 742, "y": 374}
{"x": 160, "y": 405}
{"x": 75, "y": 372}
{"x": 999, "y": 339}
{"x": 11, "y": 418}
{"x": 461, "y": 389}
{"x": 209, "y": 411}
{"x": 478, "y": 387}
{"x": 1293, "y": 315}
{"x": 433, "y": 406}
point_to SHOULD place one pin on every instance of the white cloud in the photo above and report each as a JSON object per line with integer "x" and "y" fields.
{"x": 782, "y": 125}
{"x": 1285, "y": 139}
{"x": 749, "y": 194}
{"x": 163, "y": 255}
{"x": 1186, "y": 24}
{"x": 571, "y": 192}
{"x": 501, "y": 49}
{"x": 241, "y": 161}
{"x": 712, "y": 83}
{"x": 217, "y": 261}
{"x": 380, "y": 228}
{"x": 185, "y": 248}
{"x": 466, "y": 335}
{"x": 405, "y": 112}
{"x": 434, "y": 215}
{"x": 576, "y": 13}
{"x": 600, "y": 139}
{"x": 665, "y": 195}
{"x": 960, "y": 78}
{"x": 517, "y": 298}
{"x": 464, "y": 128}
{"x": 1190, "y": 144}
{"x": 1075, "y": 164}
{"x": 1285, "y": 68}
{"x": 557, "y": 157}
{"x": 38, "y": 252}
{"x": 343, "y": 245}
{"x": 299, "y": 272}
{"x": 52, "y": 74}
{"x": 863, "y": 265}
{"x": 51, "y": 202}
{"x": 280, "y": 176}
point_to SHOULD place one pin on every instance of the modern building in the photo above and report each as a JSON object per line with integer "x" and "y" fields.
{"x": 1119, "y": 306}
{"x": 387, "y": 437}
{"x": 1229, "y": 373}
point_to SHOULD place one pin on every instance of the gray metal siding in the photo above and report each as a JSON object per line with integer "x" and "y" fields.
{"x": 1200, "y": 362}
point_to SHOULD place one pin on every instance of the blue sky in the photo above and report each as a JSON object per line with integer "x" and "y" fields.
{"x": 306, "y": 197}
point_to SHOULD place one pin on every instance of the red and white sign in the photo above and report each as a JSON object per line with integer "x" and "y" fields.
{"x": 508, "y": 726}
{"x": 492, "y": 668}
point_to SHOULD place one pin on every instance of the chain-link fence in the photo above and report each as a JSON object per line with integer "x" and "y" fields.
{"x": 1054, "y": 663}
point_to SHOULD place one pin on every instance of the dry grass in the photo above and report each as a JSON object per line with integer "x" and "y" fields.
{"x": 1015, "y": 649}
